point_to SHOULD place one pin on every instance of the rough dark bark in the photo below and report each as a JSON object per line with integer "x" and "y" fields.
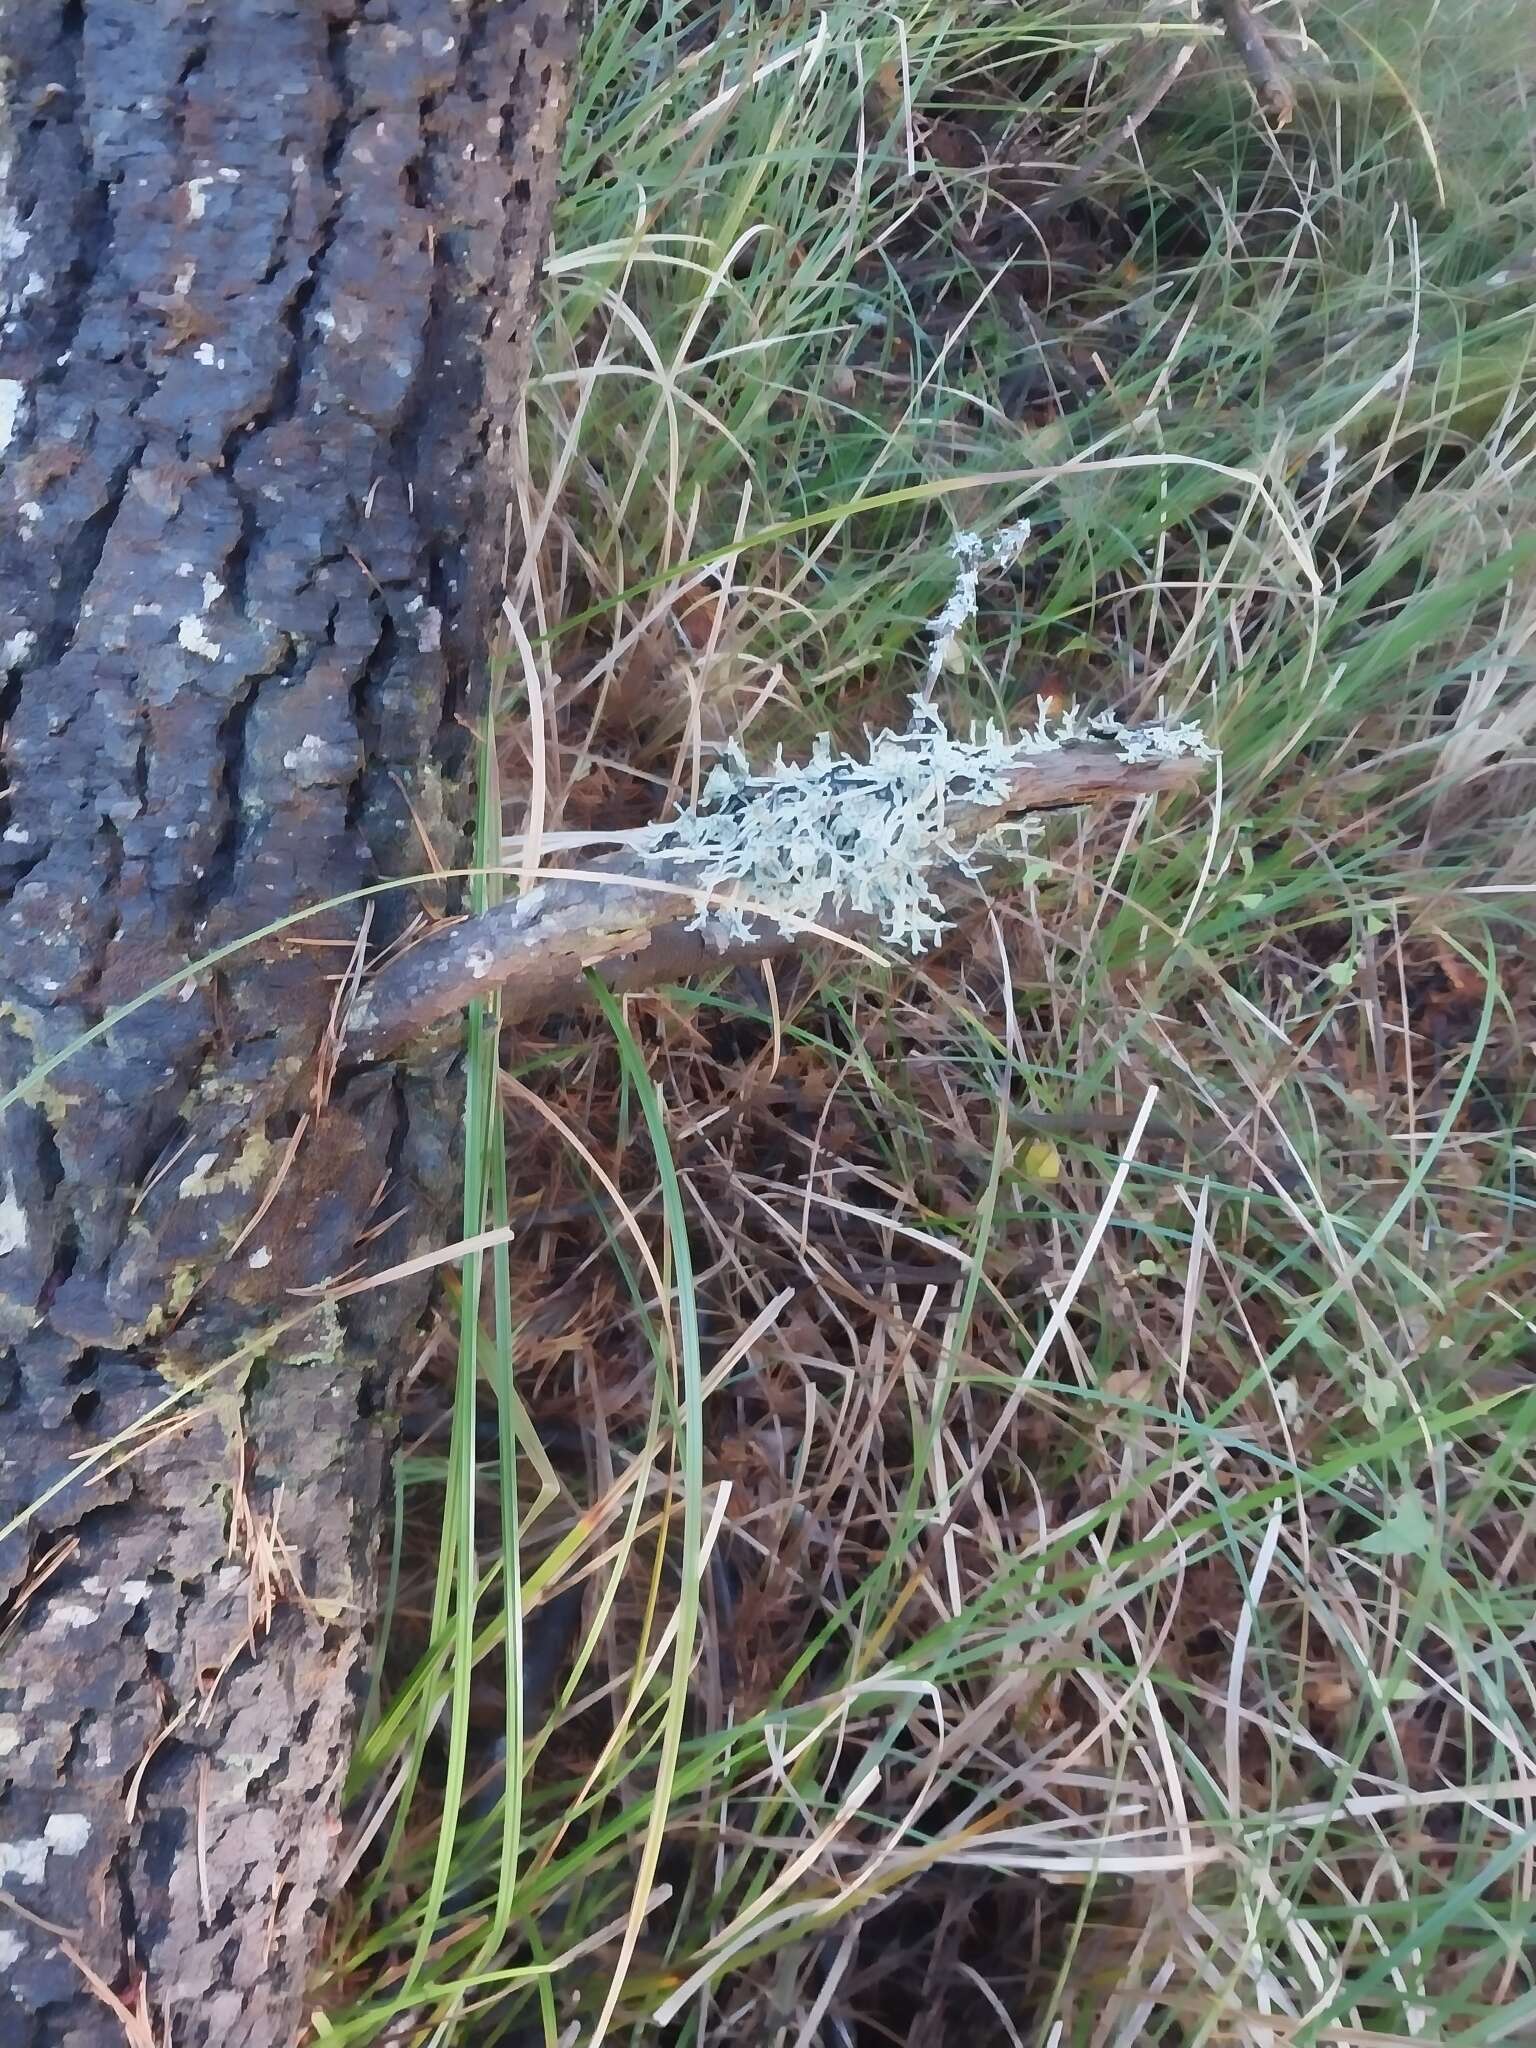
{"x": 266, "y": 267}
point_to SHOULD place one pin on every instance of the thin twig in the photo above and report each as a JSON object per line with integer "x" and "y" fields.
{"x": 1271, "y": 87}
{"x": 1086, "y": 174}
{"x": 632, "y": 919}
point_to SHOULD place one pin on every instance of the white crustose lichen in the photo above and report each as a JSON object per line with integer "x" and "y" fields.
{"x": 841, "y": 836}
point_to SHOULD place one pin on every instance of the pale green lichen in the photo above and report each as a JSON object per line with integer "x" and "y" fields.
{"x": 254, "y": 1156}
{"x": 184, "y": 1280}
{"x": 838, "y": 836}
{"x": 973, "y": 555}
{"x": 320, "y": 1340}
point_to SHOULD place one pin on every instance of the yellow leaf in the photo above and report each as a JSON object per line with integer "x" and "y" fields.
{"x": 1130, "y": 1383}
{"x": 886, "y": 86}
{"x": 1041, "y": 1160}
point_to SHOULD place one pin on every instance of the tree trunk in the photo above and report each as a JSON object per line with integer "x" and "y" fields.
{"x": 267, "y": 265}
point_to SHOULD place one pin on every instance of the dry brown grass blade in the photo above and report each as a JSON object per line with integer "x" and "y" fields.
{"x": 623, "y": 917}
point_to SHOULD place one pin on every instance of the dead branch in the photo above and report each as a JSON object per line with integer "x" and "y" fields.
{"x": 631, "y": 918}
{"x": 1271, "y": 87}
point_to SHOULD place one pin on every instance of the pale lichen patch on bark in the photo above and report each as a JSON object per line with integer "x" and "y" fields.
{"x": 14, "y": 1234}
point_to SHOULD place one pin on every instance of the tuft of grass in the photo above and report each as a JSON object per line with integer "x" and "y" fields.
{"x": 995, "y": 1498}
